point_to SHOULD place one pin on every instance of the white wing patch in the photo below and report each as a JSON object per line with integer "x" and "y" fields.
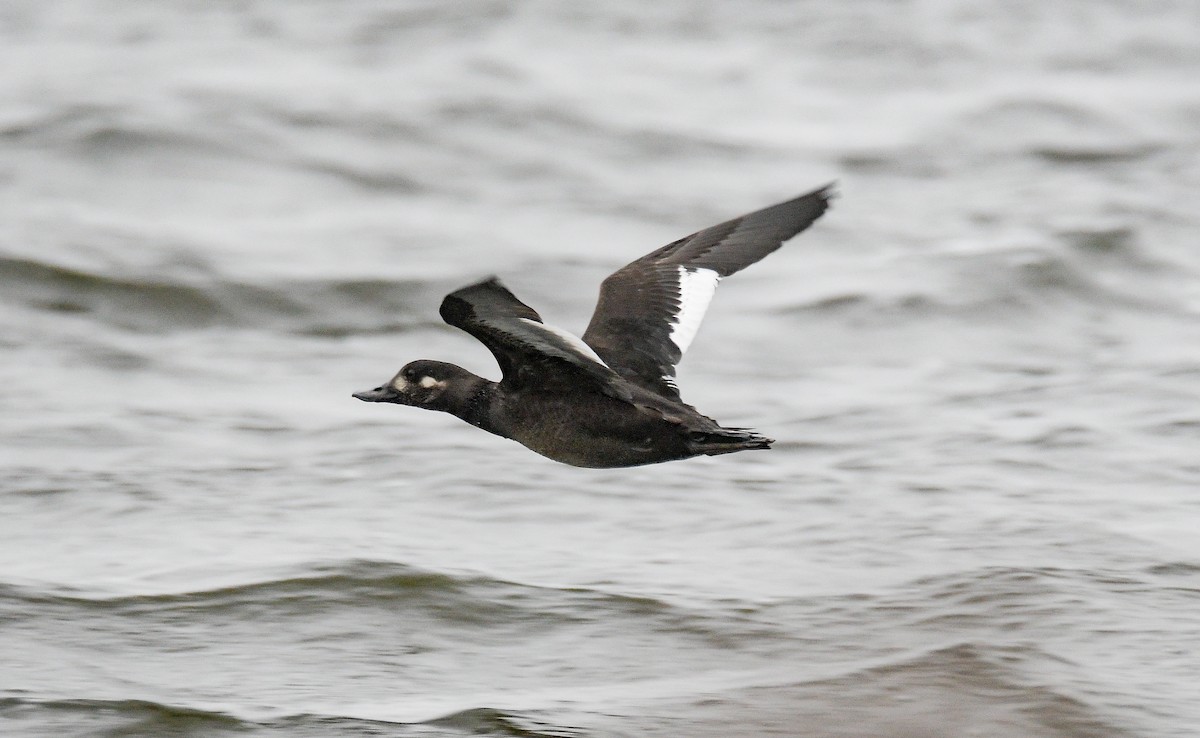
{"x": 573, "y": 342}
{"x": 696, "y": 289}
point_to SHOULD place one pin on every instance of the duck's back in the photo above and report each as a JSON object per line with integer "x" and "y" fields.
{"x": 593, "y": 429}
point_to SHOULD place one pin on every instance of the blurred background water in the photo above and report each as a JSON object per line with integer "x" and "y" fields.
{"x": 219, "y": 219}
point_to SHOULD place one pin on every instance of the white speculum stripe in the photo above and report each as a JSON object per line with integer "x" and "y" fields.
{"x": 574, "y": 343}
{"x": 696, "y": 289}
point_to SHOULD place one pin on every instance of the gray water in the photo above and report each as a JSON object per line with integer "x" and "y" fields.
{"x": 217, "y": 220}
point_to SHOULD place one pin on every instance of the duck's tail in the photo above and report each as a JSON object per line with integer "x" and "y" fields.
{"x": 727, "y": 441}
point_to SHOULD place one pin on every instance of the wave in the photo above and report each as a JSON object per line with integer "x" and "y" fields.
{"x": 939, "y": 643}
{"x": 259, "y": 136}
{"x": 461, "y": 599}
{"x": 313, "y": 307}
{"x": 487, "y": 721}
{"x": 114, "y": 717}
{"x": 104, "y": 131}
{"x": 1053, "y": 132}
{"x": 149, "y": 718}
{"x": 961, "y": 688}
{"x": 954, "y": 654}
{"x": 1086, "y": 267}
{"x": 1073, "y": 269}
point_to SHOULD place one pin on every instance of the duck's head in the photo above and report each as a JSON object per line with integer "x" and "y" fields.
{"x": 422, "y": 383}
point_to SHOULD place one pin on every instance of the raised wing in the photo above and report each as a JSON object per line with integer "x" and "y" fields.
{"x": 649, "y": 310}
{"x": 527, "y": 350}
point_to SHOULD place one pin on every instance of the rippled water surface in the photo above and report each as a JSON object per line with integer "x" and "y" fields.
{"x": 217, "y": 220}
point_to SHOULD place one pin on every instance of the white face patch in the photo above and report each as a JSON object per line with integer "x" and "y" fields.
{"x": 696, "y": 289}
{"x": 572, "y": 340}
{"x": 399, "y": 384}
{"x": 430, "y": 383}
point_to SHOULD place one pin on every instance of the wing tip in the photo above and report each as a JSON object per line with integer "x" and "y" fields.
{"x": 491, "y": 280}
{"x": 456, "y": 307}
{"x": 478, "y": 301}
{"x": 825, "y": 194}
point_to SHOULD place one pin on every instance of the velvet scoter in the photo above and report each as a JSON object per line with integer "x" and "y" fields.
{"x": 610, "y": 399}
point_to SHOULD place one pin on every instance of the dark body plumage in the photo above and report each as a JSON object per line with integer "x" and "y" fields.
{"x": 609, "y": 400}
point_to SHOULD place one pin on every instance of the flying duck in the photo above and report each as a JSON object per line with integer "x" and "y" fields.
{"x": 610, "y": 399}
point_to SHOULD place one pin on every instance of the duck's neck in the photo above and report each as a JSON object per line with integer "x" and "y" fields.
{"x": 473, "y": 403}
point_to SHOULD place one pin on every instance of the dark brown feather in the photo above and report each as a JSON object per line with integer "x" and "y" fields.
{"x": 631, "y": 327}
{"x": 528, "y": 355}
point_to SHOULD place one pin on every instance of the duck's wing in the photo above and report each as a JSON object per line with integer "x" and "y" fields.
{"x": 649, "y": 310}
{"x": 529, "y": 352}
